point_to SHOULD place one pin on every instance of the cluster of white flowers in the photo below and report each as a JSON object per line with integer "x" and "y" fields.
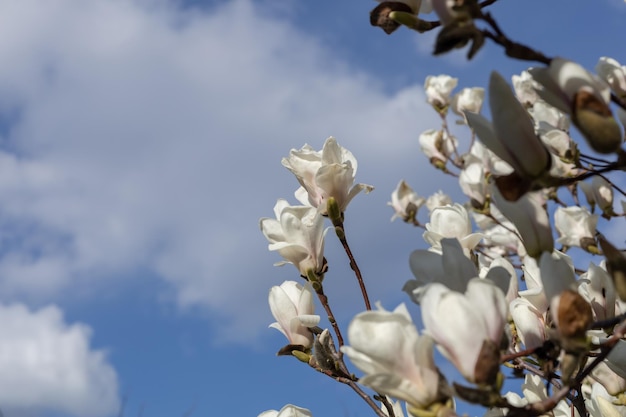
{"x": 498, "y": 287}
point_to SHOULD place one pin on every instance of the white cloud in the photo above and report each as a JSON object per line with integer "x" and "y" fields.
{"x": 48, "y": 365}
{"x": 141, "y": 137}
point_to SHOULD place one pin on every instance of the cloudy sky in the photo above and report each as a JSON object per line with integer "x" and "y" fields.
{"x": 140, "y": 143}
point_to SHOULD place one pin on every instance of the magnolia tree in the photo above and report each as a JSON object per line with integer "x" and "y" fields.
{"x": 499, "y": 295}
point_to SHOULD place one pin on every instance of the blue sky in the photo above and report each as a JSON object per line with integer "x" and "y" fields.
{"x": 140, "y": 143}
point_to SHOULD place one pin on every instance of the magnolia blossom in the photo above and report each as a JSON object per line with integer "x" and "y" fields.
{"x": 530, "y": 322}
{"x": 396, "y": 360}
{"x": 601, "y": 404}
{"x": 439, "y": 199}
{"x": 525, "y": 88}
{"x": 573, "y": 90}
{"x": 548, "y": 117}
{"x": 438, "y": 89}
{"x": 287, "y": 411}
{"x": 437, "y": 145}
{"x": 297, "y": 234}
{"x": 468, "y": 99}
{"x": 491, "y": 163}
{"x": 467, "y": 327}
{"x": 613, "y": 73}
{"x": 325, "y": 174}
{"x": 292, "y": 306}
{"x": 576, "y": 226}
{"x": 559, "y": 143}
{"x": 511, "y": 135}
{"x": 473, "y": 182}
{"x": 451, "y": 222}
{"x": 405, "y": 202}
{"x": 596, "y": 287}
{"x": 598, "y": 192}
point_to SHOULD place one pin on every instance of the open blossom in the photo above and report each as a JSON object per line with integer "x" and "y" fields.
{"x": 473, "y": 182}
{"x": 437, "y": 145}
{"x": 599, "y": 192}
{"x": 468, "y": 99}
{"x": 525, "y": 88}
{"x": 576, "y": 226}
{"x": 438, "y": 199}
{"x": 405, "y": 202}
{"x": 325, "y": 174}
{"x": 287, "y": 411}
{"x": 596, "y": 287}
{"x": 451, "y": 222}
{"x": 468, "y": 327}
{"x": 297, "y": 234}
{"x": 438, "y": 89}
{"x": 292, "y": 306}
{"x": 613, "y": 73}
{"x": 396, "y": 360}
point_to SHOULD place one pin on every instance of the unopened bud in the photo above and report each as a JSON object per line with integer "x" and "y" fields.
{"x": 380, "y": 15}
{"x": 596, "y": 122}
{"x": 572, "y": 315}
{"x": 324, "y": 351}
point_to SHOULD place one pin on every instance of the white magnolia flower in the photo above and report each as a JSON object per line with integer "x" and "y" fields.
{"x": 325, "y": 174}
{"x": 601, "y": 403}
{"x": 439, "y": 199}
{"x": 492, "y": 163}
{"x": 530, "y": 219}
{"x": 396, "y": 360}
{"x": 292, "y": 306}
{"x": 573, "y": 90}
{"x": 451, "y": 222}
{"x": 559, "y": 143}
{"x": 468, "y": 99}
{"x": 438, "y": 89}
{"x": 437, "y": 145}
{"x": 530, "y": 322}
{"x": 511, "y": 134}
{"x": 525, "y": 88}
{"x": 596, "y": 287}
{"x": 297, "y": 234}
{"x": 576, "y": 226}
{"x": 287, "y": 411}
{"x": 405, "y": 202}
{"x": 464, "y": 324}
{"x": 473, "y": 182}
{"x": 599, "y": 192}
{"x": 613, "y": 73}
{"x": 548, "y": 117}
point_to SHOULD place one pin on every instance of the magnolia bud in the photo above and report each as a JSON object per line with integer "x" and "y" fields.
{"x": 594, "y": 120}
